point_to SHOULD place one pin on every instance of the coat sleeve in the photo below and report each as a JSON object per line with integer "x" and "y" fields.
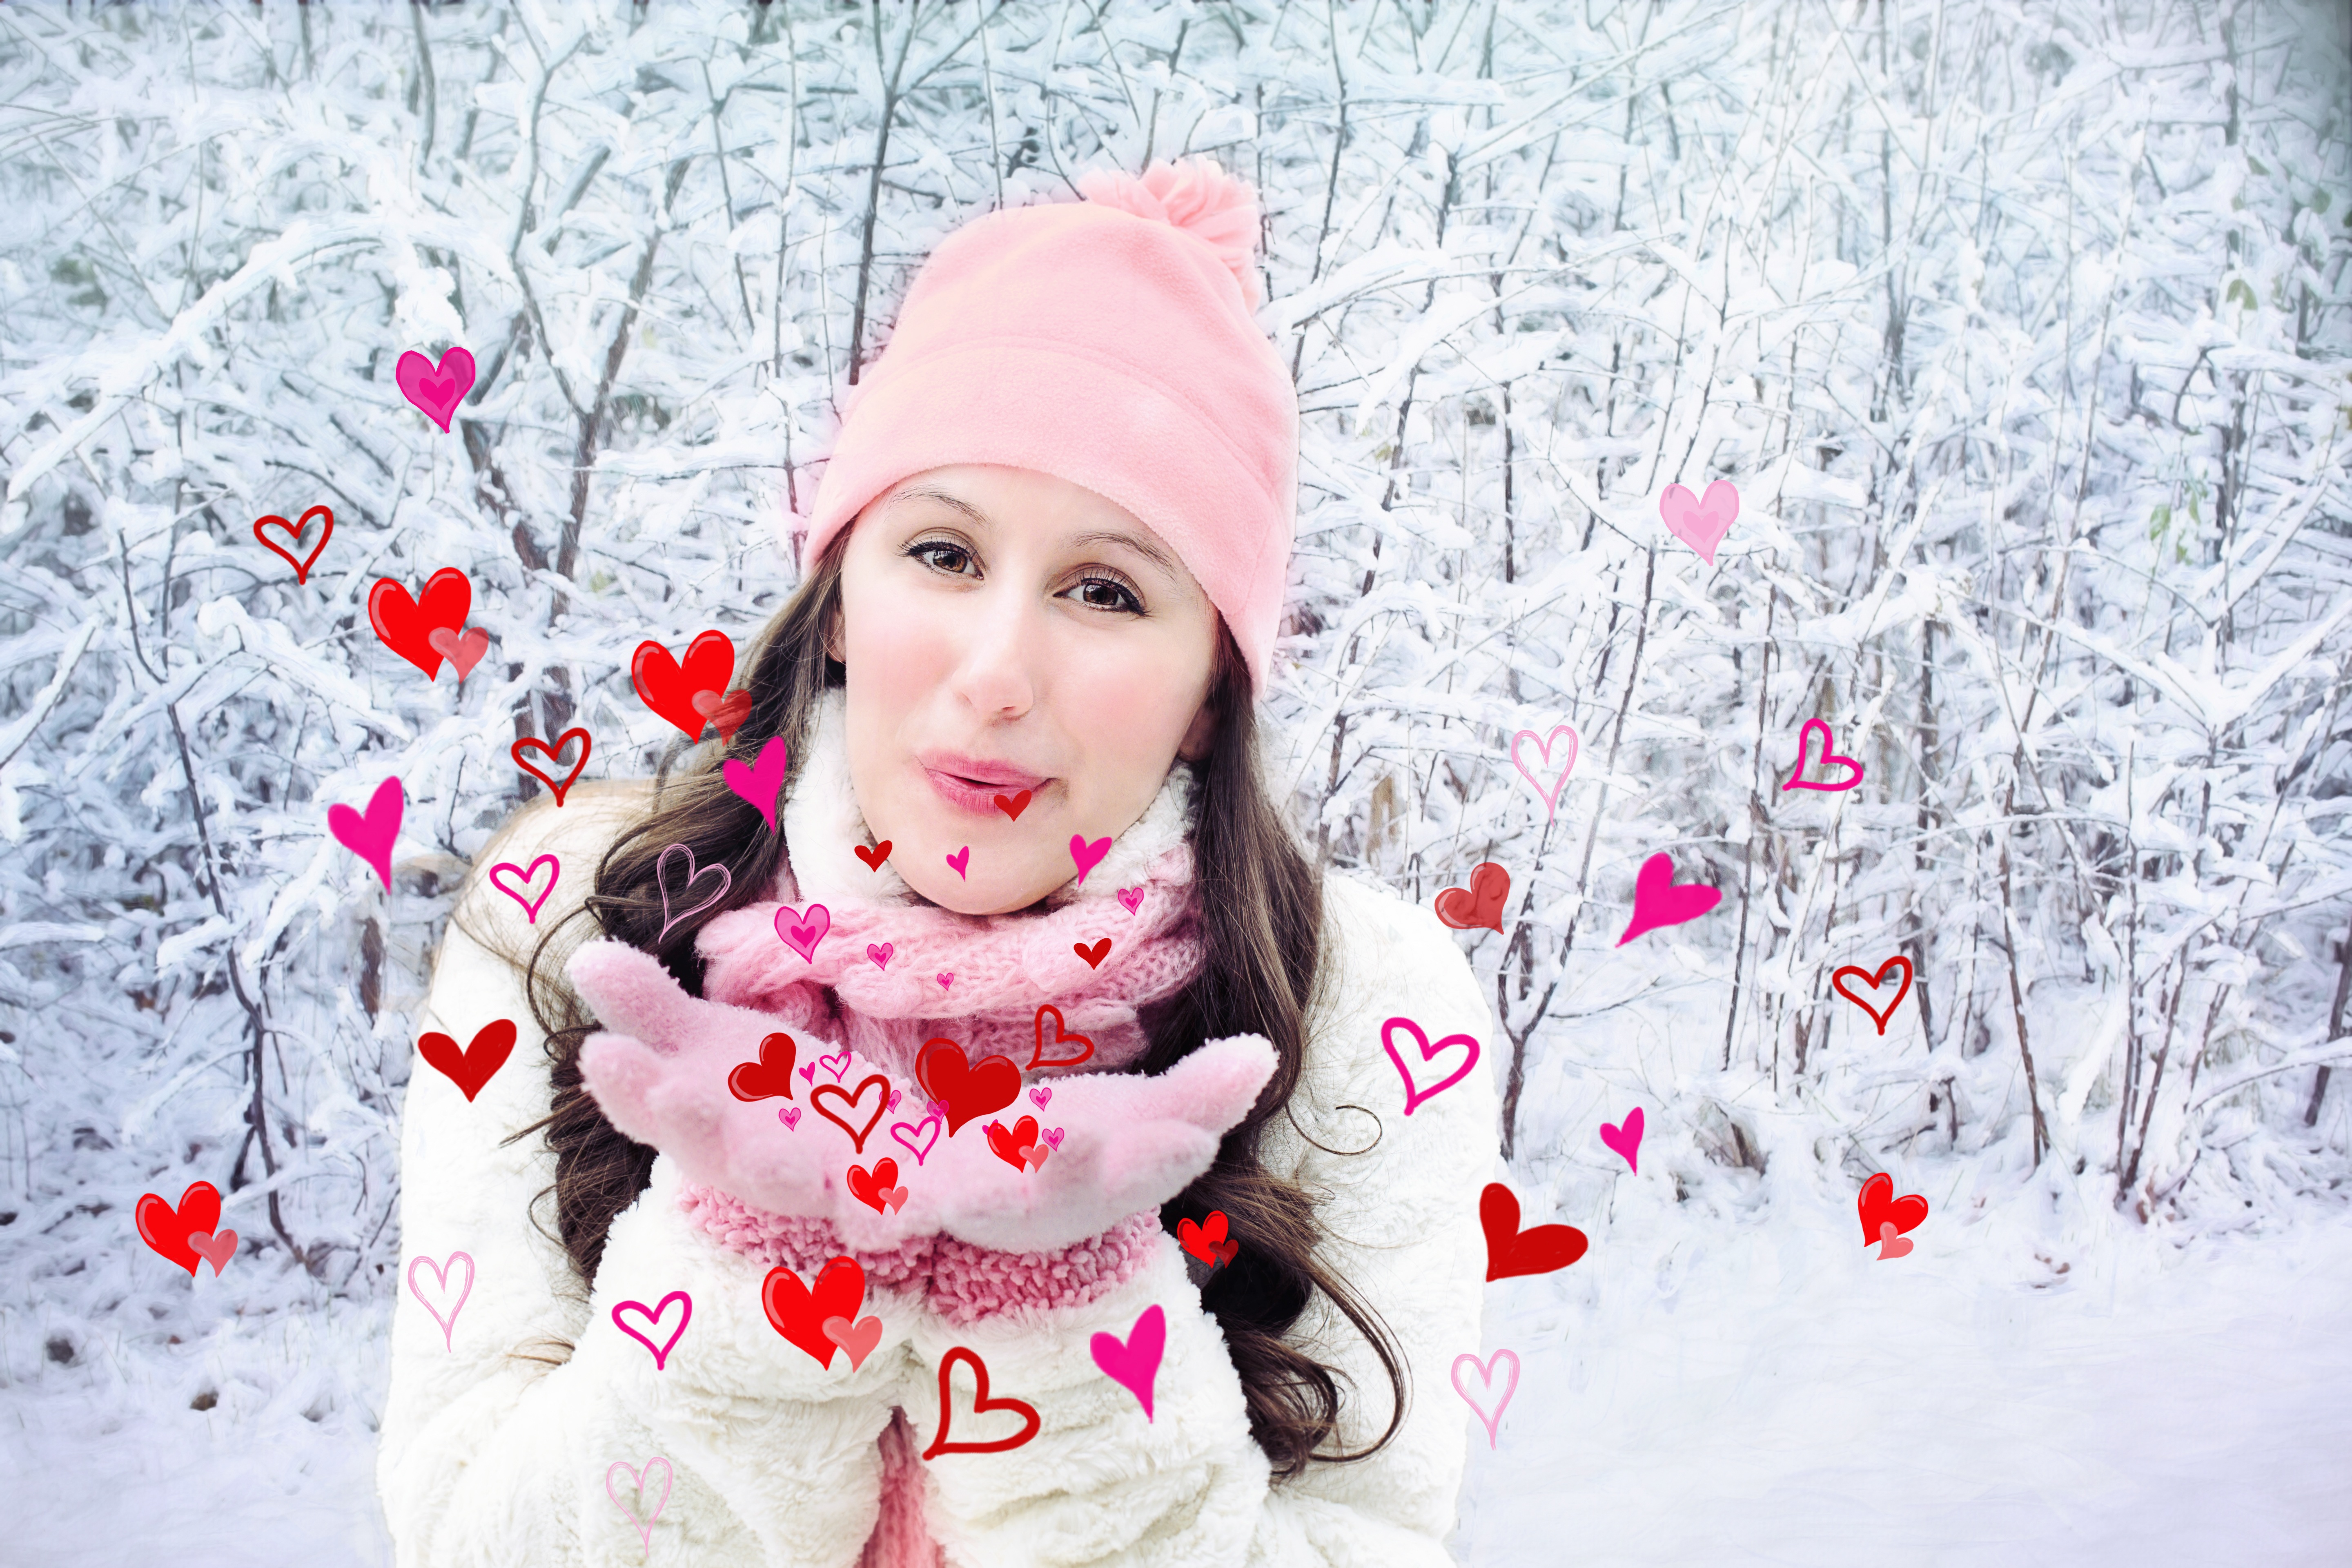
{"x": 497, "y": 1443}
{"x": 1187, "y": 1486}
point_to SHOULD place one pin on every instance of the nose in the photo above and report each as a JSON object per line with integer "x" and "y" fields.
{"x": 996, "y": 673}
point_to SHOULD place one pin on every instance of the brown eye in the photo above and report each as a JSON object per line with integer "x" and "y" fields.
{"x": 1106, "y": 594}
{"x": 942, "y": 555}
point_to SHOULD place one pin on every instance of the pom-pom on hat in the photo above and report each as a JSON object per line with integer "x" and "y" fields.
{"x": 1109, "y": 341}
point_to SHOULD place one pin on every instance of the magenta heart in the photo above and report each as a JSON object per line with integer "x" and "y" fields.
{"x": 938, "y": 1107}
{"x": 960, "y": 858}
{"x": 880, "y": 953}
{"x": 905, "y": 1132}
{"x": 1543, "y": 745}
{"x": 463, "y": 649}
{"x": 1041, "y": 1096}
{"x": 944, "y": 978}
{"x": 1660, "y": 901}
{"x": 1414, "y": 1094}
{"x": 1052, "y": 1135}
{"x": 808, "y": 1072}
{"x": 1625, "y": 1140}
{"x": 1088, "y": 856}
{"x": 370, "y": 837}
{"x": 758, "y": 782}
{"x": 1131, "y": 897}
{"x": 1701, "y": 524}
{"x": 1804, "y": 744}
{"x": 835, "y": 1064}
{"x": 1134, "y": 1363}
{"x": 436, "y": 389}
{"x": 803, "y": 932}
{"x": 531, "y": 906}
{"x": 896, "y": 1095}
{"x": 654, "y": 1315}
{"x": 790, "y": 1116}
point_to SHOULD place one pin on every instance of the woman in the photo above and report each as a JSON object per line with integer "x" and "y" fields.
{"x": 1024, "y": 981}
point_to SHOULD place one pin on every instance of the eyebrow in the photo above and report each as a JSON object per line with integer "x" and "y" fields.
{"x": 1137, "y": 542}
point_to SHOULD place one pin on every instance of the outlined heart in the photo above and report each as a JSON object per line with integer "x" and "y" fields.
{"x": 1088, "y": 856}
{"x": 1543, "y": 748}
{"x": 1804, "y": 747}
{"x": 905, "y": 1132}
{"x": 436, "y": 389}
{"x": 216, "y": 1248}
{"x": 1134, "y": 1363}
{"x": 1013, "y": 806}
{"x": 644, "y": 1527}
{"x": 802, "y": 932}
{"x": 772, "y": 1075}
{"x": 475, "y": 1066}
{"x": 859, "y": 1338}
{"x": 519, "y": 886}
{"x": 1626, "y": 1139}
{"x": 166, "y": 1226}
{"x": 1837, "y": 983}
{"x": 837, "y": 1063}
{"x": 1878, "y": 1205}
{"x": 463, "y": 648}
{"x": 799, "y": 1312}
{"x": 407, "y": 626}
{"x": 1506, "y": 1360}
{"x": 533, "y": 743}
{"x": 758, "y": 782}
{"x": 295, "y": 531}
{"x": 966, "y": 1088}
{"x": 1480, "y": 905}
{"x": 693, "y": 874}
{"x": 1094, "y": 952}
{"x": 878, "y": 1187}
{"x": 654, "y": 1316}
{"x": 1660, "y": 901}
{"x": 1698, "y": 522}
{"x": 370, "y": 835}
{"x": 441, "y": 1272}
{"x": 1413, "y": 1093}
{"x": 1062, "y": 1035}
{"x": 1008, "y": 1143}
{"x": 853, "y": 1099}
{"x": 1890, "y": 1243}
{"x": 668, "y": 686}
{"x": 876, "y": 855}
{"x": 1510, "y": 1251}
{"x": 980, "y": 1405}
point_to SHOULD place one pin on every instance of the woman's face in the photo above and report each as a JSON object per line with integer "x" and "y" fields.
{"x": 1006, "y": 630}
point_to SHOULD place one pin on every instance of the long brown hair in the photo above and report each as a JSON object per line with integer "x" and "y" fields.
{"x": 1260, "y": 907}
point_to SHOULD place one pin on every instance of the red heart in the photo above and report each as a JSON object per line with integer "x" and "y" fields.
{"x": 166, "y": 1228}
{"x": 799, "y": 1313}
{"x": 1095, "y": 954}
{"x": 980, "y": 1405}
{"x": 1038, "y": 1058}
{"x": 669, "y": 687}
{"x": 1008, "y": 1145}
{"x": 533, "y": 742}
{"x": 407, "y": 626}
{"x": 295, "y": 533}
{"x": 1481, "y": 905}
{"x": 1013, "y": 806}
{"x": 1540, "y": 1249}
{"x": 967, "y": 1089}
{"x": 876, "y": 855}
{"x": 768, "y": 1077}
{"x": 869, "y": 1187}
{"x": 1837, "y": 983}
{"x": 1207, "y": 1242}
{"x": 475, "y": 1066}
{"x": 727, "y": 711}
{"x": 857, "y": 1135}
{"x": 1879, "y": 1205}
{"x": 464, "y": 649}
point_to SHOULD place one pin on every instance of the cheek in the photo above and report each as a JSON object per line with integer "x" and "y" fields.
{"x": 1129, "y": 713}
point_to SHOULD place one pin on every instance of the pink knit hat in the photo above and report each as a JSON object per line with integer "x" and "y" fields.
{"x": 1109, "y": 341}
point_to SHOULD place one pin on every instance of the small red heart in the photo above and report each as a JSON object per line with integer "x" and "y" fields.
{"x": 799, "y": 1313}
{"x": 768, "y": 1077}
{"x": 980, "y": 1405}
{"x": 1837, "y": 983}
{"x": 857, "y": 1135}
{"x": 166, "y": 1226}
{"x": 1008, "y": 1144}
{"x": 533, "y": 743}
{"x": 1479, "y": 905}
{"x": 1539, "y": 1249}
{"x": 407, "y": 626}
{"x": 967, "y": 1088}
{"x": 472, "y": 1068}
{"x": 1038, "y": 1058}
{"x": 876, "y": 855}
{"x": 1013, "y": 806}
{"x": 869, "y": 1187}
{"x": 295, "y": 533}
{"x": 1880, "y": 1207}
{"x": 1207, "y": 1242}
{"x": 1094, "y": 954}
{"x": 669, "y": 686}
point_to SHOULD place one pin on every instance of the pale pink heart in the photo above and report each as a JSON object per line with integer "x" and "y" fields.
{"x": 1543, "y": 746}
{"x": 693, "y": 875}
{"x": 654, "y": 1316}
{"x": 531, "y": 906}
{"x": 441, "y": 1290}
{"x": 938, "y": 1107}
{"x": 370, "y": 837}
{"x": 1129, "y": 897}
{"x": 1625, "y": 1140}
{"x": 1660, "y": 901}
{"x": 896, "y": 1095}
{"x": 1701, "y": 524}
{"x": 944, "y": 978}
{"x": 758, "y": 782}
{"x": 1891, "y": 1244}
{"x": 803, "y": 932}
{"x": 1088, "y": 856}
{"x": 1134, "y": 1363}
{"x": 906, "y": 1131}
{"x": 1041, "y": 1096}
{"x": 1804, "y": 744}
{"x": 835, "y": 1064}
{"x": 880, "y": 951}
{"x": 1508, "y": 1361}
{"x": 216, "y": 1247}
{"x": 859, "y": 1338}
{"x": 463, "y": 649}
{"x": 790, "y": 1116}
{"x": 434, "y": 388}
{"x": 1033, "y": 1154}
{"x": 645, "y": 1527}
{"x": 1052, "y": 1135}
{"x": 1413, "y": 1093}
{"x": 960, "y": 858}
{"x": 893, "y": 1198}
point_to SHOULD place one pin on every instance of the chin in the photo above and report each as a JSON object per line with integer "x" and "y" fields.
{"x": 994, "y": 896}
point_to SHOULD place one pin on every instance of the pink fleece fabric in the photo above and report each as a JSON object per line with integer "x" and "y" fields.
{"x": 1110, "y": 342}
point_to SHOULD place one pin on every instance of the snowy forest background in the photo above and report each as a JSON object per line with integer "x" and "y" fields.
{"x": 2023, "y": 333}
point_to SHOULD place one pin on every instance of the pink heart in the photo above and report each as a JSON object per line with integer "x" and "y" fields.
{"x": 1134, "y": 1363}
{"x": 858, "y": 1339}
{"x": 880, "y": 953}
{"x": 959, "y": 860}
{"x": 693, "y": 875}
{"x": 835, "y": 1064}
{"x": 370, "y": 837}
{"x": 1627, "y": 1139}
{"x": 1088, "y": 856}
{"x": 1508, "y": 1361}
{"x": 790, "y": 1117}
{"x": 463, "y": 649}
{"x": 1131, "y": 897}
{"x": 654, "y": 1315}
{"x": 938, "y": 1107}
{"x": 896, "y": 1095}
{"x": 1660, "y": 901}
{"x": 1413, "y": 1095}
{"x": 216, "y": 1248}
{"x": 1701, "y": 524}
{"x": 944, "y": 978}
{"x": 906, "y": 1131}
{"x": 530, "y": 906}
{"x": 1543, "y": 745}
{"x": 645, "y": 1527}
{"x": 436, "y": 389}
{"x": 1891, "y": 1244}
{"x": 1040, "y": 1096}
{"x": 1052, "y": 1135}
{"x": 1804, "y": 744}
{"x": 803, "y": 932}
{"x": 1033, "y": 1154}
{"x": 808, "y": 1072}
{"x": 441, "y": 1288}
{"x": 892, "y": 1198}
{"x": 758, "y": 782}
